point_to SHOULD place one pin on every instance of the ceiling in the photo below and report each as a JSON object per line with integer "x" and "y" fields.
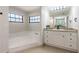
{"x": 28, "y": 8}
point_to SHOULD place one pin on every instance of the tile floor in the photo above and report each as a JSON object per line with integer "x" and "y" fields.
{"x": 45, "y": 49}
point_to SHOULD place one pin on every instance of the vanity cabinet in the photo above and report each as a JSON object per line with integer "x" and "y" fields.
{"x": 62, "y": 39}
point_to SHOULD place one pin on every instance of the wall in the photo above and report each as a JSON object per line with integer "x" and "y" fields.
{"x": 44, "y": 17}
{"x": 44, "y": 20}
{"x": 74, "y": 14}
{"x": 4, "y": 29}
{"x": 34, "y": 26}
{"x": 18, "y": 27}
{"x": 26, "y": 26}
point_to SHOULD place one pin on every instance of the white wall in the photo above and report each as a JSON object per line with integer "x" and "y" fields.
{"x": 44, "y": 16}
{"x": 26, "y": 26}
{"x": 74, "y": 13}
{"x": 44, "y": 20}
{"x": 18, "y": 27}
{"x": 4, "y": 29}
{"x": 34, "y": 26}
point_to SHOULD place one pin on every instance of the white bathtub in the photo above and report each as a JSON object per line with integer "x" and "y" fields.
{"x": 24, "y": 40}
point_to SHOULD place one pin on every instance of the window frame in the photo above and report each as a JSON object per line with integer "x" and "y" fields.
{"x": 34, "y": 19}
{"x": 62, "y": 18}
{"x": 15, "y": 18}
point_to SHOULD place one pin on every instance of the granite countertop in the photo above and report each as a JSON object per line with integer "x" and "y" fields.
{"x": 62, "y": 30}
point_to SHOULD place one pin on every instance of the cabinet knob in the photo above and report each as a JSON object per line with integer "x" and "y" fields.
{"x": 70, "y": 34}
{"x": 47, "y": 31}
{"x": 70, "y": 38}
{"x": 47, "y": 40}
{"x": 63, "y": 36}
{"x": 70, "y": 45}
{"x": 47, "y": 35}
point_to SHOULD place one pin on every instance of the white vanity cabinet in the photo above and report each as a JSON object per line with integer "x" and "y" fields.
{"x": 62, "y": 39}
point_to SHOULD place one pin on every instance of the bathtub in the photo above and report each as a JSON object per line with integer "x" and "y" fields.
{"x": 24, "y": 40}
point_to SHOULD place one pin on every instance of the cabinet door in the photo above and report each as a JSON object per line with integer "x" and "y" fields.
{"x": 58, "y": 38}
{"x": 55, "y": 38}
{"x": 46, "y": 37}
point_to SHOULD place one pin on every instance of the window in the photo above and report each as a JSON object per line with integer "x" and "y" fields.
{"x": 60, "y": 21}
{"x": 15, "y": 18}
{"x": 34, "y": 19}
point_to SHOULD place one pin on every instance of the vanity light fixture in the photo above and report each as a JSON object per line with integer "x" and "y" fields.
{"x": 57, "y": 8}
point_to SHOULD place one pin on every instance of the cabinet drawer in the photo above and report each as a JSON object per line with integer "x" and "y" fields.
{"x": 72, "y": 40}
{"x": 45, "y": 32}
{"x": 72, "y": 45}
{"x": 73, "y": 35}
